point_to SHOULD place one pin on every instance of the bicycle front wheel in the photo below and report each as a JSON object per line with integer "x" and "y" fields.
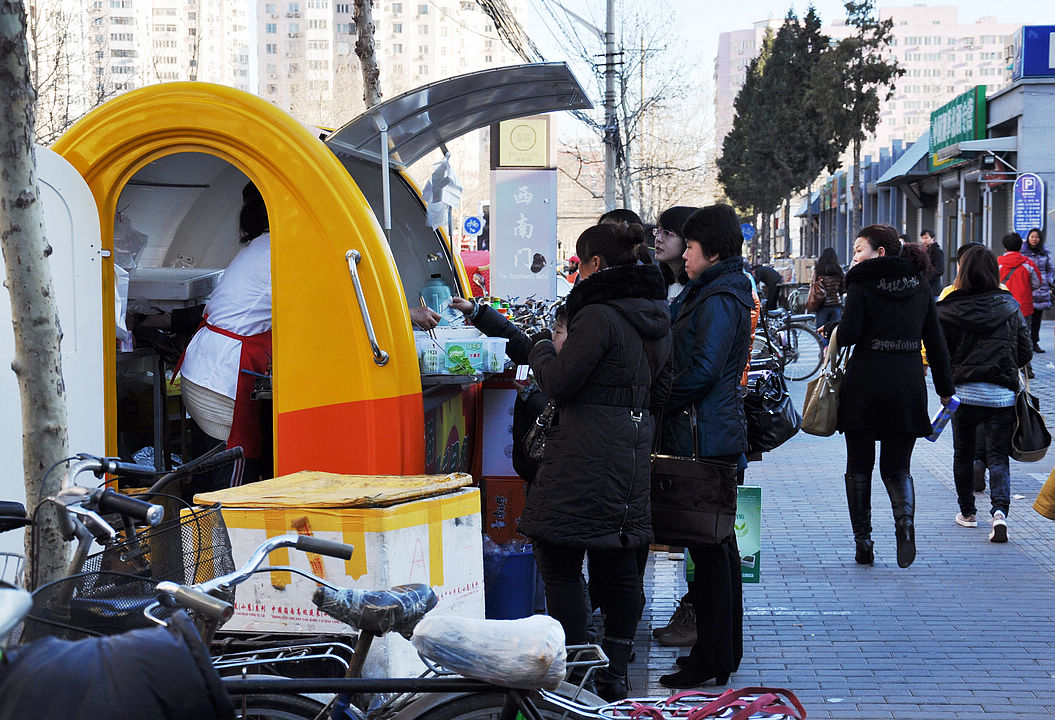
{"x": 804, "y": 352}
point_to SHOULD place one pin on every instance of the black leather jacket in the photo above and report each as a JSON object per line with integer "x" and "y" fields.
{"x": 987, "y": 336}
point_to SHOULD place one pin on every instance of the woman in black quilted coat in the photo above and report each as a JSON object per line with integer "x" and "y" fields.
{"x": 889, "y": 314}
{"x": 591, "y": 493}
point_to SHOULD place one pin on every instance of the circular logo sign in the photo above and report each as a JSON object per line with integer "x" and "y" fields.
{"x": 473, "y": 226}
{"x": 523, "y": 137}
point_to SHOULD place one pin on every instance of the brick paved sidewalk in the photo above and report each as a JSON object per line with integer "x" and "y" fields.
{"x": 967, "y": 632}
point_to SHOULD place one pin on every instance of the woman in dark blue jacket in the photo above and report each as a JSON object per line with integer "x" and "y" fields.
{"x": 712, "y": 330}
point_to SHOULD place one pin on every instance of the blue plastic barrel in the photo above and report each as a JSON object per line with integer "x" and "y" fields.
{"x": 509, "y": 585}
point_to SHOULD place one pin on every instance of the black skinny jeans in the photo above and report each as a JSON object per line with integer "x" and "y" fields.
{"x": 1034, "y": 325}
{"x": 996, "y": 426}
{"x": 895, "y": 453}
{"x": 615, "y": 583}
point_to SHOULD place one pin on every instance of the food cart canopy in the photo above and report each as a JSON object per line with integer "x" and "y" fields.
{"x": 424, "y": 119}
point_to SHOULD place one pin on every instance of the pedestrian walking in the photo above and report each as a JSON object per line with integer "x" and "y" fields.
{"x": 830, "y": 274}
{"x": 936, "y": 257}
{"x": 1019, "y": 275}
{"x": 591, "y": 493}
{"x": 889, "y": 315}
{"x": 712, "y": 326}
{"x": 988, "y": 342}
{"x": 1034, "y": 250}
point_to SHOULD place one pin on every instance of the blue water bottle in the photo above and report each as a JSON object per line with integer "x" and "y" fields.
{"x": 941, "y": 419}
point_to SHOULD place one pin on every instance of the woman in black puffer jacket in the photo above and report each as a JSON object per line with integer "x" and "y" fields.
{"x": 988, "y": 341}
{"x": 889, "y": 314}
{"x": 591, "y": 493}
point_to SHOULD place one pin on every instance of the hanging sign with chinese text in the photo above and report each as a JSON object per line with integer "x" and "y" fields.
{"x": 959, "y": 120}
{"x": 524, "y": 234}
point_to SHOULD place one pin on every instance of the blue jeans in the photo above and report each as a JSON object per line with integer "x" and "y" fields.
{"x": 828, "y": 313}
{"x": 996, "y": 425}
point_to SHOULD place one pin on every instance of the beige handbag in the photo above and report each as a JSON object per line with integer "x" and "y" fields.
{"x": 821, "y": 407}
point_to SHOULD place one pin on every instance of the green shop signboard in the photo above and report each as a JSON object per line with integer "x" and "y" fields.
{"x": 958, "y": 120}
{"x": 748, "y": 535}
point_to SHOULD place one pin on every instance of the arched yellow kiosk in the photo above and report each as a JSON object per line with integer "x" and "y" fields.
{"x": 347, "y": 391}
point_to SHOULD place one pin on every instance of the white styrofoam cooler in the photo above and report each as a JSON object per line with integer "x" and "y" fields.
{"x": 435, "y": 540}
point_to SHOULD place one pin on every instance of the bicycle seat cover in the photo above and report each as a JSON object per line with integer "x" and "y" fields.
{"x": 378, "y": 611}
{"x": 528, "y": 653}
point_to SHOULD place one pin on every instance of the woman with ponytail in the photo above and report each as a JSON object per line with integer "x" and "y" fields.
{"x": 889, "y": 314}
{"x": 591, "y": 493}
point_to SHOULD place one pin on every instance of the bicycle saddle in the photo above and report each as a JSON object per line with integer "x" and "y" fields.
{"x": 378, "y": 611}
{"x": 12, "y": 515}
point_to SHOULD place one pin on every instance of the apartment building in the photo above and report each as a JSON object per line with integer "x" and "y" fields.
{"x": 306, "y": 51}
{"x": 942, "y": 55}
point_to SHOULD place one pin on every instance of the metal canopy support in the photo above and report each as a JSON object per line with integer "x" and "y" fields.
{"x": 386, "y": 190}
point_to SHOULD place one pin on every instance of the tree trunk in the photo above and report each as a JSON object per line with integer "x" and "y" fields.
{"x": 364, "y": 48}
{"x": 855, "y": 188}
{"x": 37, "y": 362}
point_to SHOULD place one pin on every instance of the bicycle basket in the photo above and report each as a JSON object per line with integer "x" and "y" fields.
{"x": 190, "y": 549}
{"x": 88, "y": 605}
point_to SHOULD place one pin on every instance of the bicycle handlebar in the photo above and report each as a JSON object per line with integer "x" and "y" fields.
{"x": 191, "y": 598}
{"x": 215, "y": 458}
{"x": 110, "y": 501}
{"x": 301, "y": 542}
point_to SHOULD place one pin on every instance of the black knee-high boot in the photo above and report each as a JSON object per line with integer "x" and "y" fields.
{"x": 859, "y": 500}
{"x": 903, "y": 502}
{"x": 611, "y": 683}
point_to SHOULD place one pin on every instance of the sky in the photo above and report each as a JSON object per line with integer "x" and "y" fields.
{"x": 698, "y": 23}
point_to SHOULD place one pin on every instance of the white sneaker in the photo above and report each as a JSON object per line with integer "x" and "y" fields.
{"x": 966, "y": 520}
{"x": 999, "y": 533}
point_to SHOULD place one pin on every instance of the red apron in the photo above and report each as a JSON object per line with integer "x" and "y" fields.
{"x": 246, "y": 424}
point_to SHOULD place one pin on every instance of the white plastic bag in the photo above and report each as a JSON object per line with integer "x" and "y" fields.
{"x": 527, "y": 653}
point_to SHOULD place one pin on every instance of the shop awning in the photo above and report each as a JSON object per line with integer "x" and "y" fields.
{"x": 972, "y": 147}
{"x": 422, "y": 120}
{"x": 814, "y": 205}
{"x": 910, "y": 166}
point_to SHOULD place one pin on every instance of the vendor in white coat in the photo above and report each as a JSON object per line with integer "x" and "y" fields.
{"x": 235, "y": 335}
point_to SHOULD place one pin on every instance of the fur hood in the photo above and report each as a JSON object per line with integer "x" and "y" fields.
{"x": 893, "y": 277}
{"x": 638, "y": 292}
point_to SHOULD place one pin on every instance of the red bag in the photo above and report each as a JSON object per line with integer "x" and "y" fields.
{"x": 749, "y": 703}
{"x": 817, "y": 295}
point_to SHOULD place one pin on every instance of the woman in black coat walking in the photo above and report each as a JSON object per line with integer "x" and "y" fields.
{"x": 591, "y": 493}
{"x": 989, "y": 341}
{"x": 888, "y": 312}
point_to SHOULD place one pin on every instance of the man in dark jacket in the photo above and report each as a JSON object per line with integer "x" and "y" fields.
{"x": 937, "y": 261}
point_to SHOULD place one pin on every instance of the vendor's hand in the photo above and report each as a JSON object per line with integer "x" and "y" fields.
{"x": 465, "y": 306}
{"x": 424, "y": 318}
{"x": 540, "y": 336}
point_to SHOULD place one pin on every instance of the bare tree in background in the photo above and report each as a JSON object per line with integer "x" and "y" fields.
{"x": 660, "y": 144}
{"x": 364, "y": 48}
{"x": 37, "y": 361}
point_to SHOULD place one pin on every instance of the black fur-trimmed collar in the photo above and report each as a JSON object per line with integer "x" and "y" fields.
{"x": 881, "y": 268}
{"x": 617, "y": 283}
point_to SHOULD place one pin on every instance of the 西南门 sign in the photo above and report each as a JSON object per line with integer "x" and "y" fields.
{"x": 524, "y": 234}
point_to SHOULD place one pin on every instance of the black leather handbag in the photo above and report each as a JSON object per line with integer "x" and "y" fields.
{"x": 693, "y": 498}
{"x": 1031, "y": 439}
{"x": 772, "y": 418}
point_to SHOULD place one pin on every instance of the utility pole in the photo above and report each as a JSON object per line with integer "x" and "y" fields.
{"x": 610, "y": 121}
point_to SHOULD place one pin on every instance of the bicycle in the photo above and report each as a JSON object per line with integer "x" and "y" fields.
{"x": 789, "y": 342}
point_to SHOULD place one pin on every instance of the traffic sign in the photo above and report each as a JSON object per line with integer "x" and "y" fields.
{"x": 473, "y": 225}
{"x": 748, "y": 231}
{"x": 1029, "y": 203}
